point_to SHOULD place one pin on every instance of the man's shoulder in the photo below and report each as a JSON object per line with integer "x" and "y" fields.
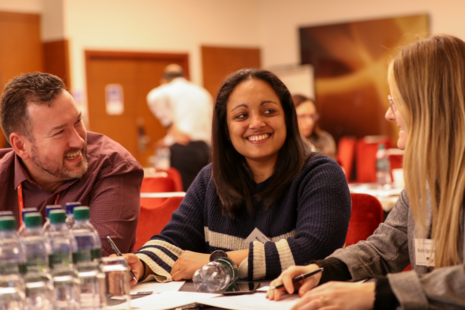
{"x": 104, "y": 152}
{"x": 7, "y": 159}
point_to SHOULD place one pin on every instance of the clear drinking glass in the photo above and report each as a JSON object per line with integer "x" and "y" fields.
{"x": 117, "y": 280}
{"x": 92, "y": 295}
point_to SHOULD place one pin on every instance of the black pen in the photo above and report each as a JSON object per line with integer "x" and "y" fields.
{"x": 118, "y": 252}
{"x": 301, "y": 277}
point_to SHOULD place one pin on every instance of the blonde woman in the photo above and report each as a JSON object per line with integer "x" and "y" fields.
{"x": 426, "y": 227}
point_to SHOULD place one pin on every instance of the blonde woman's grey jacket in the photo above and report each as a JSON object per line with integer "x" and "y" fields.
{"x": 391, "y": 248}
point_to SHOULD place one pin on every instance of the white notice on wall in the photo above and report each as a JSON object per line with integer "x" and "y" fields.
{"x": 114, "y": 99}
{"x": 299, "y": 79}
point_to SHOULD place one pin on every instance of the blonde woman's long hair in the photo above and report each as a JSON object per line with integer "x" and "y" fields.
{"x": 429, "y": 78}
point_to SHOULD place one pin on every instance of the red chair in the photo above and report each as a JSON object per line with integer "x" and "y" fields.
{"x": 153, "y": 217}
{"x": 365, "y": 157}
{"x": 158, "y": 185}
{"x": 367, "y": 214}
{"x": 346, "y": 154}
{"x": 174, "y": 174}
{"x": 160, "y": 181}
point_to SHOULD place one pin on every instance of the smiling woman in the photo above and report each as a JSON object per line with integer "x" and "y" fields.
{"x": 263, "y": 184}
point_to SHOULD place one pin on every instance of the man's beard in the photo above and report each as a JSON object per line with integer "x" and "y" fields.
{"x": 59, "y": 169}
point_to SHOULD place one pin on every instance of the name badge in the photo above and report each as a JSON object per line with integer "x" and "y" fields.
{"x": 257, "y": 235}
{"x": 424, "y": 255}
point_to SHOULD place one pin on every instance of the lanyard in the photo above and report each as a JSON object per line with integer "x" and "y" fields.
{"x": 21, "y": 202}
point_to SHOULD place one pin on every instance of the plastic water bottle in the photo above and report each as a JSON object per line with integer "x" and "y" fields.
{"x": 87, "y": 258}
{"x": 215, "y": 276}
{"x": 49, "y": 208}
{"x": 383, "y": 167}
{"x": 65, "y": 277}
{"x": 39, "y": 284}
{"x": 162, "y": 158}
{"x": 12, "y": 258}
{"x": 69, "y": 212}
{"x": 23, "y": 214}
{"x": 87, "y": 237}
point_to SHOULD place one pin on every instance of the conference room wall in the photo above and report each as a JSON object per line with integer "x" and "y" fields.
{"x": 22, "y": 6}
{"x": 280, "y": 20}
{"x": 175, "y": 26}
{"x": 183, "y": 26}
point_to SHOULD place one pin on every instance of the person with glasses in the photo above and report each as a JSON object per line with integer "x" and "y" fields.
{"x": 425, "y": 229}
{"x": 309, "y": 127}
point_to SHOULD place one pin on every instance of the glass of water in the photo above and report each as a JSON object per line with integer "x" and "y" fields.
{"x": 117, "y": 280}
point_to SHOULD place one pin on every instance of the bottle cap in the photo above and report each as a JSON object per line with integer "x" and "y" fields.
{"x": 33, "y": 219}
{"x": 381, "y": 147}
{"x": 6, "y": 213}
{"x": 57, "y": 216}
{"x": 28, "y": 210}
{"x": 71, "y": 205}
{"x": 81, "y": 213}
{"x": 7, "y": 223}
{"x": 50, "y": 208}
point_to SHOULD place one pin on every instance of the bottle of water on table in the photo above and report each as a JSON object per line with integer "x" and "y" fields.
{"x": 87, "y": 257}
{"x": 383, "y": 167}
{"x": 25, "y": 211}
{"x": 65, "y": 278}
{"x": 12, "y": 260}
{"x": 69, "y": 213}
{"x": 49, "y": 208}
{"x": 215, "y": 276}
{"x": 39, "y": 284}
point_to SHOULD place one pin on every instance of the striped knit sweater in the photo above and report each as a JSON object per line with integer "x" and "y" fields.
{"x": 308, "y": 223}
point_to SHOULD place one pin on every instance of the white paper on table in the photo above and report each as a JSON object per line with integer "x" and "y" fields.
{"x": 170, "y": 299}
{"x": 252, "y": 302}
{"x": 263, "y": 289}
{"x": 157, "y": 287}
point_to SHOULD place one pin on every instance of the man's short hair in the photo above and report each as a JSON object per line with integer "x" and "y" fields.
{"x": 172, "y": 71}
{"x": 34, "y": 87}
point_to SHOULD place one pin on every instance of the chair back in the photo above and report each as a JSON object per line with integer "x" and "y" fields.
{"x": 367, "y": 214}
{"x": 346, "y": 154}
{"x": 174, "y": 174}
{"x": 153, "y": 217}
{"x": 365, "y": 157}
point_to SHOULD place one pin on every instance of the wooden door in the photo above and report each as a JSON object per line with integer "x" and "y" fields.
{"x": 20, "y": 48}
{"x": 218, "y": 62}
{"x": 137, "y": 73}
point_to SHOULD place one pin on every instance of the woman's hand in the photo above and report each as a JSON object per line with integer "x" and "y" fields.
{"x": 286, "y": 279}
{"x": 187, "y": 264}
{"x": 135, "y": 265}
{"x": 337, "y": 296}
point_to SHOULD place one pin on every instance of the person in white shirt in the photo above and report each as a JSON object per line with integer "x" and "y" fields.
{"x": 186, "y": 110}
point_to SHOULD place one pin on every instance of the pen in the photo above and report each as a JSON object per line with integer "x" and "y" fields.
{"x": 301, "y": 277}
{"x": 118, "y": 252}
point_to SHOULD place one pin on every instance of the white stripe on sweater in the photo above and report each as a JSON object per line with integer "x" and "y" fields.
{"x": 162, "y": 274}
{"x": 285, "y": 254}
{"x": 220, "y": 240}
{"x": 259, "y": 261}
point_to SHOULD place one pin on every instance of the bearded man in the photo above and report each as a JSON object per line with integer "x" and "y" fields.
{"x": 55, "y": 160}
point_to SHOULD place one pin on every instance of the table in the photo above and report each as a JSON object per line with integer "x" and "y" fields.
{"x": 173, "y": 294}
{"x": 387, "y": 197}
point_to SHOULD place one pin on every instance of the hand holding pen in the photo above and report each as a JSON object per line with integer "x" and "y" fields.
{"x": 298, "y": 278}
{"x": 118, "y": 252}
{"x": 308, "y": 276}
